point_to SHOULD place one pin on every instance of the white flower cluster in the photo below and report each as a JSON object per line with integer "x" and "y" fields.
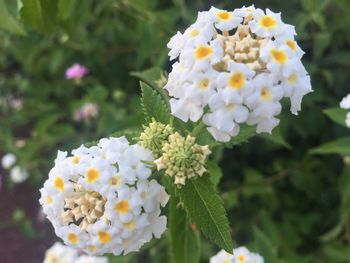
{"x": 345, "y": 104}
{"x": 234, "y": 67}
{"x": 240, "y": 255}
{"x": 100, "y": 199}
{"x": 60, "y": 253}
{"x": 17, "y": 174}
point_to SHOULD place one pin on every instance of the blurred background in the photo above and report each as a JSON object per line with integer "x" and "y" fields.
{"x": 283, "y": 201}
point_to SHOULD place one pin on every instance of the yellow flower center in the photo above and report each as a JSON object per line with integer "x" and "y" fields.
{"x": 241, "y": 258}
{"x": 58, "y": 183}
{"x": 92, "y": 248}
{"x": 224, "y": 15}
{"x": 236, "y": 81}
{"x": 104, "y": 237}
{"x": 203, "y": 52}
{"x": 48, "y": 200}
{"x": 279, "y": 56}
{"x": 204, "y": 84}
{"x": 268, "y": 22}
{"x": 73, "y": 238}
{"x": 293, "y": 79}
{"x": 92, "y": 175}
{"x": 122, "y": 206}
{"x": 76, "y": 159}
{"x": 230, "y": 107}
{"x": 292, "y": 45}
{"x": 194, "y": 33}
{"x": 265, "y": 94}
{"x": 130, "y": 225}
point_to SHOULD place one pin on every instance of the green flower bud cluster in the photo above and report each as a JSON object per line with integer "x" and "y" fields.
{"x": 182, "y": 158}
{"x": 154, "y": 136}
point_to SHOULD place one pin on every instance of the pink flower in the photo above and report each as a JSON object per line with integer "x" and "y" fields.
{"x": 76, "y": 71}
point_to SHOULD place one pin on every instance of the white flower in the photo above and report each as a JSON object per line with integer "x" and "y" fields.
{"x": 293, "y": 47}
{"x": 241, "y": 255}
{"x": 186, "y": 109}
{"x": 200, "y": 32}
{"x": 225, "y": 20}
{"x": 59, "y": 253}
{"x": 345, "y": 102}
{"x": 256, "y": 258}
{"x": 280, "y": 59}
{"x": 100, "y": 200}
{"x": 176, "y": 45}
{"x": 235, "y": 52}
{"x": 264, "y": 103}
{"x": 222, "y": 257}
{"x": 18, "y": 175}
{"x": 226, "y": 112}
{"x": 296, "y": 86}
{"x": 8, "y": 160}
{"x": 202, "y": 56}
{"x": 237, "y": 79}
{"x": 266, "y": 25}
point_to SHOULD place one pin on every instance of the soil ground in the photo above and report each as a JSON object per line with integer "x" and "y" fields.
{"x": 14, "y": 246}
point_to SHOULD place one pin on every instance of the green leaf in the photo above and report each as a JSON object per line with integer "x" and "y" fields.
{"x": 65, "y": 8}
{"x": 214, "y": 171}
{"x": 277, "y": 138}
{"x": 205, "y": 208}
{"x": 337, "y": 115}
{"x": 185, "y": 242}
{"x": 246, "y": 132}
{"x": 151, "y": 76}
{"x": 340, "y": 146}
{"x": 8, "y": 22}
{"x": 40, "y": 14}
{"x": 265, "y": 246}
{"x": 154, "y": 105}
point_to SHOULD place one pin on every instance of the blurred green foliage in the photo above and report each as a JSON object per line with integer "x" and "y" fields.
{"x": 282, "y": 201}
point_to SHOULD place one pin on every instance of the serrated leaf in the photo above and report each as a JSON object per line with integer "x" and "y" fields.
{"x": 154, "y": 105}
{"x": 246, "y": 132}
{"x": 40, "y": 14}
{"x": 8, "y": 22}
{"x": 214, "y": 172}
{"x": 185, "y": 242}
{"x": 206, "y": 210}
{"x": 339, "y": 146}
{"x": 337, "y": 115}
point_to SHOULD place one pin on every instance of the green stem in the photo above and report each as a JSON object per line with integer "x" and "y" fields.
{"x": 198, "y": 129}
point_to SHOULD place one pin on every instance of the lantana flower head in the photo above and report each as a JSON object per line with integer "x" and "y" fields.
{"x": 234, "y": 67}
{"x": 87, "y": 112}
{"x": 182, "y": 158}
{"x": 239, "y": 255}
{"x": 154, "y": 136}
{"x": 76, "y": 71}
{"x": 100, "y": 199}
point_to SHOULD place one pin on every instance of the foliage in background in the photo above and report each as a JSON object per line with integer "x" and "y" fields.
{"x": 283, "y": 201}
